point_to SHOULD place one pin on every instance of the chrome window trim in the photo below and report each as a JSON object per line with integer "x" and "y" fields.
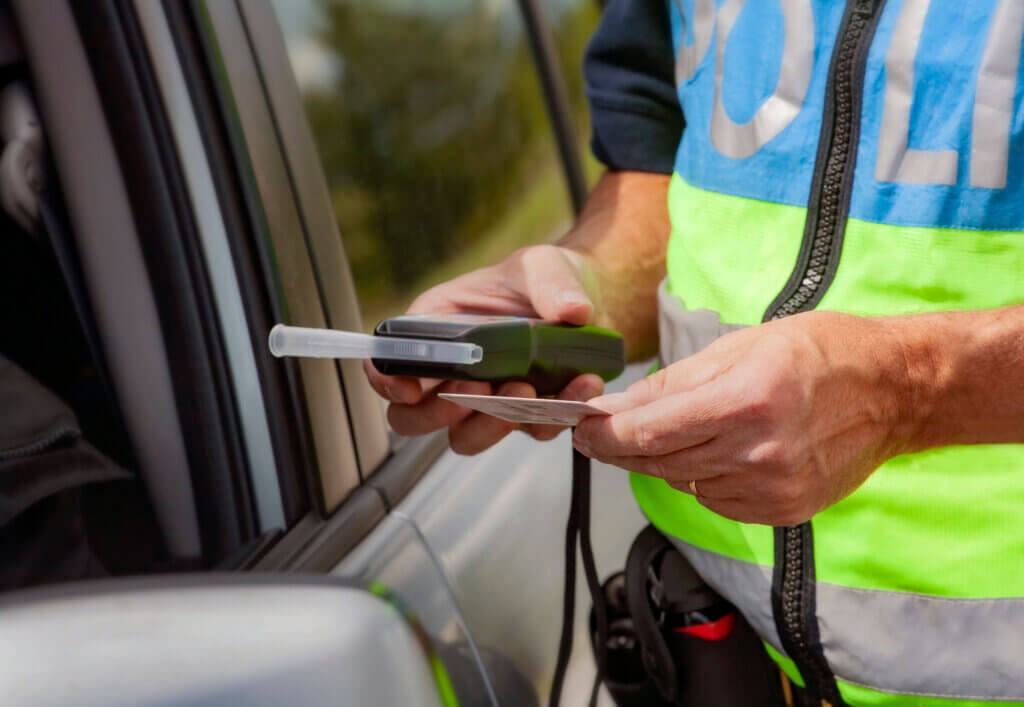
{"x": 217, "y": 255}
{"x": 331, "y": 267}
{"x": 248, "y": 114}
{"x": 316, "y": 544}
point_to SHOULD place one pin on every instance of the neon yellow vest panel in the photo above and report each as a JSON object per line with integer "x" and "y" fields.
{"x": 868, "y": 158}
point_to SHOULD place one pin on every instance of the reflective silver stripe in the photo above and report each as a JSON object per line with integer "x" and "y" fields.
{"x": 914, "y": 644}
{"x": 993, "y": 100}
{"x": 682, "y": 331}
{"x": 896, "y": 161}
{"x": 688, "y": 57}
{"x": 896, "y": 642}
{"x": 743, "y": 140}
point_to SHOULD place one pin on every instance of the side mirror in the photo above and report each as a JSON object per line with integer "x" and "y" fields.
{"x": 213, "y": 640}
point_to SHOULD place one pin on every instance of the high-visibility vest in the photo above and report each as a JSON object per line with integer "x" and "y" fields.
{"x": 864, "y": 157}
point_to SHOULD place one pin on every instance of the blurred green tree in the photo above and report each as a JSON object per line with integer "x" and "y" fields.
{"x": 432, "y": 127}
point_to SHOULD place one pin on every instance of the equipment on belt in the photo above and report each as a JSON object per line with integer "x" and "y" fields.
{"x": 674, "y": 641}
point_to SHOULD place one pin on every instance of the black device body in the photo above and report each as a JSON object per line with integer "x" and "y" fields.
{"x": 545, "y": 354}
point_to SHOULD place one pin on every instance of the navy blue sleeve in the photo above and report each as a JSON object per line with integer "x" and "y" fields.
{"x": 629, "y": 72}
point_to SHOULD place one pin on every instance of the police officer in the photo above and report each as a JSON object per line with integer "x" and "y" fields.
{"x": 832, "y": 197}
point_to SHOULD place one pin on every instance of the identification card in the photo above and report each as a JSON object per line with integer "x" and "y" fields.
{"x": 541, "y": 411}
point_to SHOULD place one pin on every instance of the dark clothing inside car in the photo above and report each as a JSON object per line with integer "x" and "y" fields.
{"x": 44, "y": 465}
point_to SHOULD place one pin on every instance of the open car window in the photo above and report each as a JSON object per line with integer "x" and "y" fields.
{"x": 75, "y": 485}
{"x": 431, "y": 126}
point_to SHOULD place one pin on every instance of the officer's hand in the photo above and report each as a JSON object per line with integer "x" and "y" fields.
{"x": 774, "y": 423}
{"x": 540, "y": 281}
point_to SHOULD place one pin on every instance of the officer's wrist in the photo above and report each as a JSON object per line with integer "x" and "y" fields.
{"x": 964, "y": 377}
{"x": 886, "y": 373}
{"x": 919, "y": 374}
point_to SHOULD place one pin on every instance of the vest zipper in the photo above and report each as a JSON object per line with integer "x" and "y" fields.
{"x": 793, "y": 592}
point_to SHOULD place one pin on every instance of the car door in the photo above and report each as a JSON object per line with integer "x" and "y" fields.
{"x": 480, "y": 537}
{"x": 240, "y": 216}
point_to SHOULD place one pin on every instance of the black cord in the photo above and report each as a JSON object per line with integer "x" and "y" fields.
{"x": 578, "y": 526}
{"x": 581, "y": 468}
{"x": 568, "y": 592}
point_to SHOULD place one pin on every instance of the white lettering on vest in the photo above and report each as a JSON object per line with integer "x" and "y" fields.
{"x": 993, "y": 98}
{"x": 897, "y": 162}
{"x": 743, "y": 140}
{"x": 703, "y": 25}
{"x": 993, "y": 104}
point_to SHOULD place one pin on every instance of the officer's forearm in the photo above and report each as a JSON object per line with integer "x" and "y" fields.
{"x": 966, "y": 376}
{"x": 623, "y": 231}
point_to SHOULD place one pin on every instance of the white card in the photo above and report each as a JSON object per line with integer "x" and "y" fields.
{"x": 542, "y": 411}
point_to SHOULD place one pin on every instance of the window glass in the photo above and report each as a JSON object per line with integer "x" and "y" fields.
{"x": 432, "y": 130}
{"x": 572, "y": 25}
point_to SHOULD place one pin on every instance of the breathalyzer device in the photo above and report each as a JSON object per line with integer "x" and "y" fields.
{"x": 488, "y": 348}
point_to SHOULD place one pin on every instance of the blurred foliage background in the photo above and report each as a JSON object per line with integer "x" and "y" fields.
{"x": 432, "y": 130}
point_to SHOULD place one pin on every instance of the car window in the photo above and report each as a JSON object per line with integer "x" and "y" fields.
{"x": 574, "y": 23}
{"x": 433, "y": 133}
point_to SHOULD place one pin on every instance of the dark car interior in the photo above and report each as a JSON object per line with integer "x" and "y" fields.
{"x": 72, "y": 506}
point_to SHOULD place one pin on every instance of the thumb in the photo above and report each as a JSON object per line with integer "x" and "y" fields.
{"x": 552, "y": 280}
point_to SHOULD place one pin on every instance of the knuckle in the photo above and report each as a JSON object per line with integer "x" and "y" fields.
{"x": 461, "y": 444}
{"x": 783, "y": 496}
{"x": 542, "y": 253}
{"x": 397, "y": 419}
{"x": 759, "y": 407}
{"x": 683, "y": 486}
{"x": 658, "y": 467}
{"x": 788, "y": 508}
{"x": 652, "y": 386}
{"x": 650, "y": 440}
{"x": 769, "y": 399}
{"x": 658, "y": 383}
{"x": 773, "y": 455}
{"x": 541, "y": 433}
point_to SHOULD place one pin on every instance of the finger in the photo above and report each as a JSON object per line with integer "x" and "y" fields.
{"x": 678, "y": 468}
{"x": 485, "y": 291}
{"x": 760, "y": 499}
{"x": 581, "y": 388}
{"x": 735, "y": 486}
{"x": 664, "y": 426}
{"x": 707, "y": 460}
{"x": 465, "y": 293}
{"x": 433, "y": 413}
{"x": 543, "y": 433}
{"x": 552, "y": 283}
{"x": 475, "y": 433}
{"x": 687, "y": 486}
{"x": 742, "y": 510}
{"x": 393, "y": 388}
{"x": 682, "y": 376}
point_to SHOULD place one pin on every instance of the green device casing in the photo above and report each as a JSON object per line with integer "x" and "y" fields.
{"x": 545, "y": 354}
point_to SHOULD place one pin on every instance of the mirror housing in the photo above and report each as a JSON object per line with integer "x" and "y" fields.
{"x": 211, "y": 639}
